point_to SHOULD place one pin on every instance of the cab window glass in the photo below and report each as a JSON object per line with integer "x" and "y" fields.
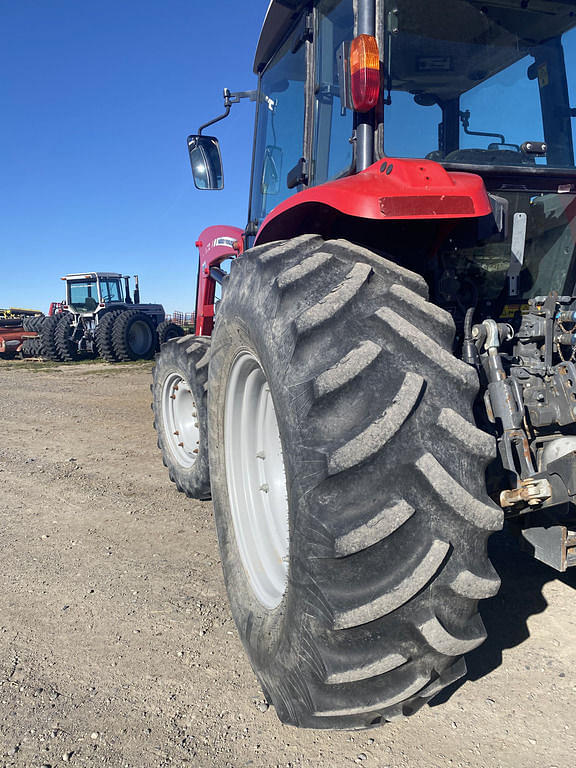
{"x": 411, "y": 128}
{"x": 333, "y": 125}
{"x": 280, "y": 129}
{"x": 480, "y": 84}
{"x": 83, "y": 295}
{"x": 110, "y": 290}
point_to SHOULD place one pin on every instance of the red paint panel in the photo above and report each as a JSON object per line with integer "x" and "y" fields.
{"x": 360, "y": 195}
{"x": 215, "y": 245}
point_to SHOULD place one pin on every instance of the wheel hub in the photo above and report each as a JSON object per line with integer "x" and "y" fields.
{"x": 139, "y": 337}
{"x": 180, "y": 418}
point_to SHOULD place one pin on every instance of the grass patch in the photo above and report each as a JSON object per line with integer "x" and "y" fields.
{"x": 96, "y": 366}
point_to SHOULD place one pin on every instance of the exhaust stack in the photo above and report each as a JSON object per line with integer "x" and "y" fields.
{"x": 127, "y": 297}
{"x": 136, "y": 290}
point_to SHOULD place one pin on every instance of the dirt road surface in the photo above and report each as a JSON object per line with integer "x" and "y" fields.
{"x": 117, "y": 647}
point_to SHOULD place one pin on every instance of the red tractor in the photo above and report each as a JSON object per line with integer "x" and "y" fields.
{"x": 390, "y": 372}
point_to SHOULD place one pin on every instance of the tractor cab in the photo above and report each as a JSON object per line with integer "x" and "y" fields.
{"x": 408, "y": 96}
{"x": 86, "y": 294}
{"x": 480, "y": 88}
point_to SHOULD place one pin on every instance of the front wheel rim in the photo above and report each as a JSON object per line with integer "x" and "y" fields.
{"x": 180, "y": 418}
{"x": 256, "y": 480}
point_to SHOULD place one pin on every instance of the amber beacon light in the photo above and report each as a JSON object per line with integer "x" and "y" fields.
{"x": 364, "y": 72}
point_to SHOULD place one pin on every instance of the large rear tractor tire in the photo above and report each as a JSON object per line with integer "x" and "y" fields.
{"x": 348, "y": 483}
{"x": 103, "y": 336}
{"x": 166, "y": 331}
{"x": 180, "y": 412}
{"x": 63, "y": 337}
{"x": 49, "y": 350}
{"x": 33, "y": 323}
{"x": 133, "y": 336}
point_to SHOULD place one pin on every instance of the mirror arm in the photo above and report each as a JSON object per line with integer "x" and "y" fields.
{"x": 229, "y": 99}
{"x": 216, "y": 120}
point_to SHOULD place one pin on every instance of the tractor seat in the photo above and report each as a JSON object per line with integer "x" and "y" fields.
{"x": 488, "y": 157}
{"x": 90, "y": 304}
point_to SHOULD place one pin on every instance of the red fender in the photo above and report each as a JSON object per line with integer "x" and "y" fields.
{"x": 391, "y": 189}
{"x": 215, "y": 244}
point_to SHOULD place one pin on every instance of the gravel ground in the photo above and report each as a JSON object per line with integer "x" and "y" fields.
{"x": 117, "y": 647}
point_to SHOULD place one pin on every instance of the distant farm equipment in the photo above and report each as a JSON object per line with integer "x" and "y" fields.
{"x": 100, "y": 317}
{"x": 15, "y": 330}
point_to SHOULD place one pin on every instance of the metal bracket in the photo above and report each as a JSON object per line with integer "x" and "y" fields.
{"x": 554, "y": 545}
{"x": 229, "y": 99}
{"x": 517, "y": 252}
{"x": 531, "y": 491}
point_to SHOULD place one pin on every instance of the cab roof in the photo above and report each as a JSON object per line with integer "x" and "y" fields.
{"x": 91, "y": 275}
{"x": 277, "y": 22}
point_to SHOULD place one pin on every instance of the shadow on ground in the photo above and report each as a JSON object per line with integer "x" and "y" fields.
{"x": 506, "y": 615}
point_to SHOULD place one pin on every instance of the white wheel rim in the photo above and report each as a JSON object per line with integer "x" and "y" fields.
{"x": 256, "y": 480}
{"x": 180, "y": 417}
{"x": 139, "y": 337}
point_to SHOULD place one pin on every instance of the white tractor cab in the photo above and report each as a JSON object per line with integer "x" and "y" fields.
{"x": 100, "y": 317}
{"x": 92, "y": 292}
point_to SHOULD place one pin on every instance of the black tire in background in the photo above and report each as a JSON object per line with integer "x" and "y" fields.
{"x": 103, "y": 336}
{"x": 28, "y": 348}
{"x": 133, "y": 336}
{"x": 166, "y": 331}
{"x": 48, "y": 348}
{"x": 63, "y": 338}
{"x": 179, "y": 393}
{"x": 388, "y": 514}
{"x": 37, "y": 322}
{"x": 33, "y": 323}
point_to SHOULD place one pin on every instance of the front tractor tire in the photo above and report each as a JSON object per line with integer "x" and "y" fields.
{"x": 348, "y": 483}
{"x": 180, "y": 412}
{"x": 133, "y": 336}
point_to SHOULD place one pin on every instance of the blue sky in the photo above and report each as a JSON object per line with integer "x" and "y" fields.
{"x": 96, "y": 101}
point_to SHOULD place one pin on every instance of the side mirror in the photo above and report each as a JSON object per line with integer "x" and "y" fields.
{"x": 206, "y": 162}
